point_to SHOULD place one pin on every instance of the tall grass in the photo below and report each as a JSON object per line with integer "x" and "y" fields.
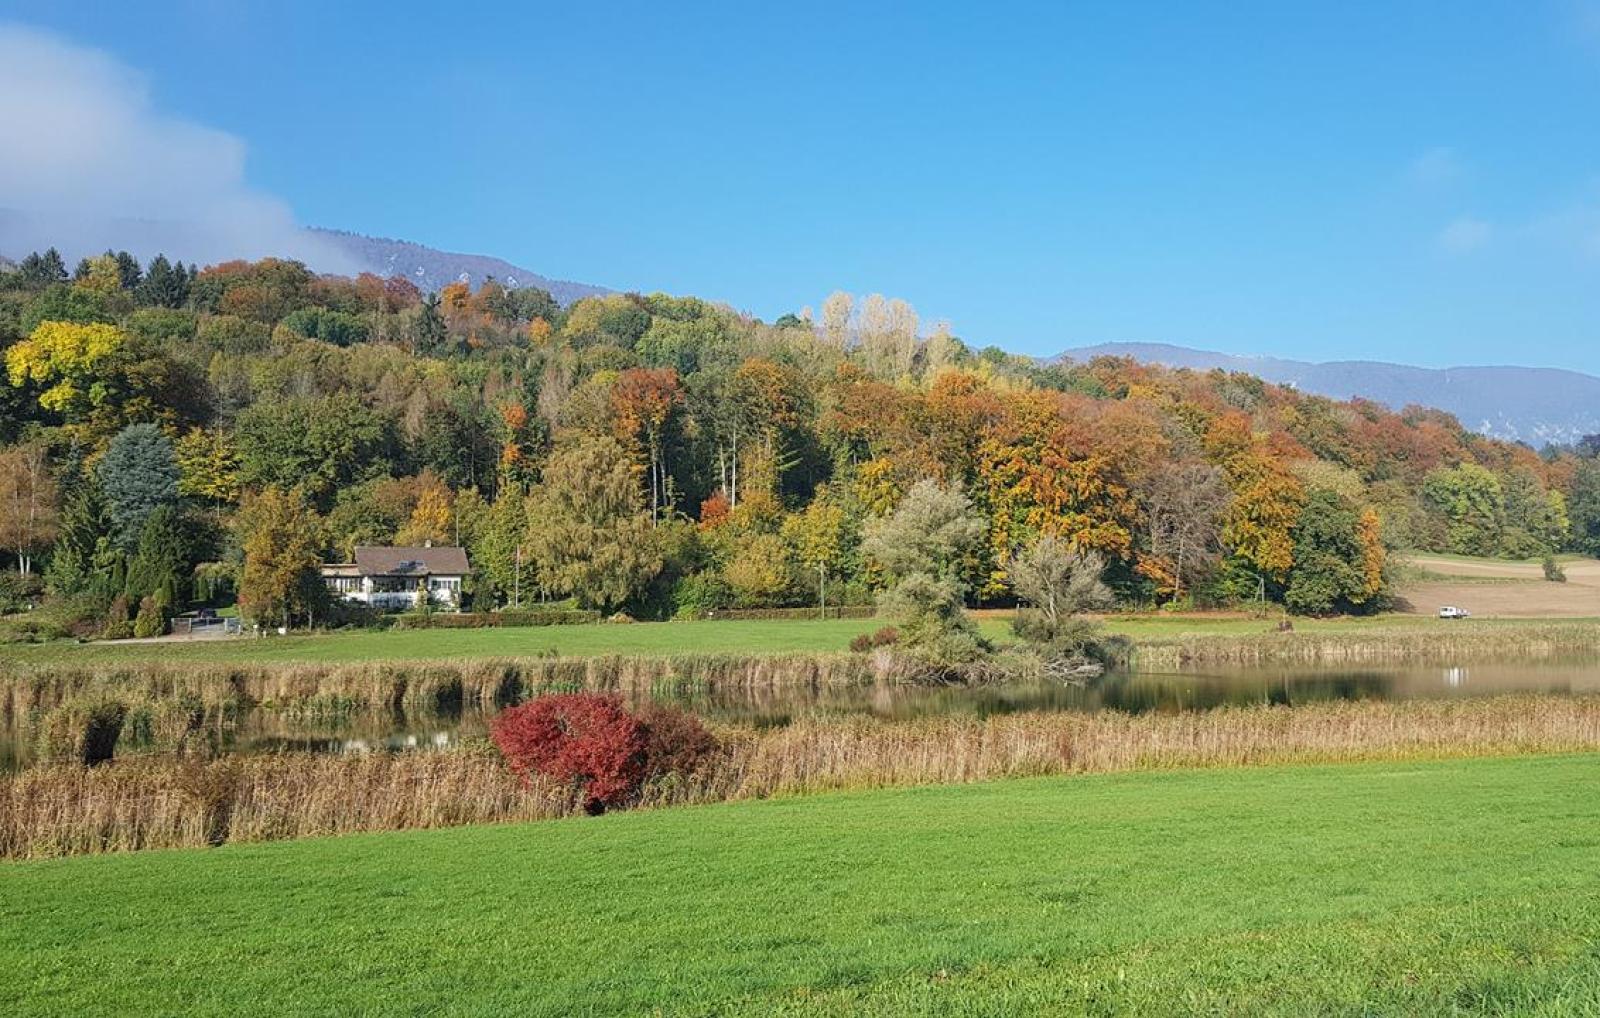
{"x": 157, "y": 803}
{"x": 1457, "y": 644}
{"x": 431, "y": 684}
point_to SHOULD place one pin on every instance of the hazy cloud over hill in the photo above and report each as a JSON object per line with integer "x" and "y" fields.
{"x": 90, "y": 163}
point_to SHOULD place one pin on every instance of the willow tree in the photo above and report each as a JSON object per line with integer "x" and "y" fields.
{"x": 588, "y": 535}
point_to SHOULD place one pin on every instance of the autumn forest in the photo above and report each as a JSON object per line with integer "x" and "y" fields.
{"x": 177, "y": 436}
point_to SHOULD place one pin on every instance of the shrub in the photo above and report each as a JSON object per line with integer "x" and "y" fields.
{"x": 699, "y": 595}
{"x": 833, "y": 611}
{"x": 82, "y": 729}
{"x": 1553, "y": 571}
{"x": 583, "y": 739}
{"x": 493, "y": 620}
{"x": 118, "y": 625}
{"x": 887, "y": 636}
{"x": 675, "y": 740}
{"x": 591, "y": 742}
{"x": 59, "y": 617}
{"x": 19, "y": 591}
{"x": 152, "y": 618}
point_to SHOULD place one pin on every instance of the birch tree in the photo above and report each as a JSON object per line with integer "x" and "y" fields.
{"x": 29, "y": 512}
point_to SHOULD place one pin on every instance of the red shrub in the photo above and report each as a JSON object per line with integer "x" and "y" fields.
{"x": 582, "y": 738}
{"x": 675, "y": 740}
{"x": 882, "y": 638}
{"x": 593, "y": 743}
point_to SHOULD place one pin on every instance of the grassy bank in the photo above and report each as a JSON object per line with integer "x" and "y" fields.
{"x": 1430, "y": 888}
{"x": 1161, "y": 633}
{"x": 160, "y": 803}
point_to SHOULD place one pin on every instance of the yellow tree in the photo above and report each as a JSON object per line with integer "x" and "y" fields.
{"x": 282, "y": 538}
{"x": 104, "y": 276}
{"x": 433, "y": 516}
{"x": 1370, "y": 534}
{"x": 67, "y": 358}
{"x": 207, "y": 466}
{"x": 818, "y": 539}
{"x": 1267, "y": 496}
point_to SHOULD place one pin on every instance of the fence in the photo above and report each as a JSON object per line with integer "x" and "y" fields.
{"x": 195, "y": 628}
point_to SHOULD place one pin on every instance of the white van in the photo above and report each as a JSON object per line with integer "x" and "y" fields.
{"x": 1452, "y": 612}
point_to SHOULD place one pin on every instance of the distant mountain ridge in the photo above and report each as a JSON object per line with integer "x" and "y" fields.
{"x": 1532, "y": 405}
{"x": 430, "y": 269}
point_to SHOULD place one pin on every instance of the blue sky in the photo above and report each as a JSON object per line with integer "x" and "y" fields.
{"x": 1416, "y": 182}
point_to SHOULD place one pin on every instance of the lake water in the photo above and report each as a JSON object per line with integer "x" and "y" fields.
{"x": 264, "y": 731}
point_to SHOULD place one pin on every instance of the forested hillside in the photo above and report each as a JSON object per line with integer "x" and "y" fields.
{"x": 175, "y": 435}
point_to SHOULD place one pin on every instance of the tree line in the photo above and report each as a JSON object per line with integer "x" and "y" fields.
{"x": 175, "y": 435}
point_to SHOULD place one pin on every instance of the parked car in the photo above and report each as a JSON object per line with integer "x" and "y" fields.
{"x": 1452, "y": 612}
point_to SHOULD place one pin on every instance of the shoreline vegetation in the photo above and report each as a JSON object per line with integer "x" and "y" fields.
{"x": 491, "y": 681}
{"x": 171, "y": 802}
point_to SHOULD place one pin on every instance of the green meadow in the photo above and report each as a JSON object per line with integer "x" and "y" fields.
{"x": 649, "y": 639}
{"x": 1464, "y": 887}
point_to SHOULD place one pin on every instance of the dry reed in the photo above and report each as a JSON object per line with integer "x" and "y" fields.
{"x": 1423, "y": 645}
{"x": 150, "y": 803}
{"x": 486, "y": 683}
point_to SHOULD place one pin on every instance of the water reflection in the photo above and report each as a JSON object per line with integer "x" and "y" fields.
{"x": 267, "y": 731}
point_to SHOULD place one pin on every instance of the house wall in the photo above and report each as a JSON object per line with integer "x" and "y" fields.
{"x": 445, "y": 591}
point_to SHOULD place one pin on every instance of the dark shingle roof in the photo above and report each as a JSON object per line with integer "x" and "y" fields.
{"x": 412, "y": 561}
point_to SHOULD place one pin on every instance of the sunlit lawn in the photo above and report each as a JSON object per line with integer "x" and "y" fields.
{"x": 1466, "y": 887}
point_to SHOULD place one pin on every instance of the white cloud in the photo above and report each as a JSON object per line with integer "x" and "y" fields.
{"x": 1464, "y": 236}
{"x": 1435, "y": 166}
{"x": 88, "y": 163}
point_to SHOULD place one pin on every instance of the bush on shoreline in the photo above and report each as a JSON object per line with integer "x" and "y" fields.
{"x": 595, "y": 745}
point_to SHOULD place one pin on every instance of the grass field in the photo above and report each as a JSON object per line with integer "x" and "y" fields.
{"x": 1434, "y": 888}
{"x": 1498, "y": 587}
{"x": 638, "y": 639}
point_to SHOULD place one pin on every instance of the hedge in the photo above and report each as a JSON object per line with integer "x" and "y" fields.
{"x": 492, "y": 620}
{"x": 856, "y": 611}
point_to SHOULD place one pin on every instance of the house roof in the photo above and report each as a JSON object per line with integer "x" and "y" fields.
{"x": 438, "y": 561}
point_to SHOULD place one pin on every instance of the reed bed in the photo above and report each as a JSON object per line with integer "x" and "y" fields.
{"x": 149, "y": 803}
{"x": 426, "y": 685}
{"x": 1461, "y": 644}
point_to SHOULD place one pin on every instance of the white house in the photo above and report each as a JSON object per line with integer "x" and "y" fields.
{"x": 392, "y": 579}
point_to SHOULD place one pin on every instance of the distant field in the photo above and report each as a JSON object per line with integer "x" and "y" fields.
{"x": 1494, "y": 587}
{"x": 649, "y": 639}
{"x": 1469, "y": 887}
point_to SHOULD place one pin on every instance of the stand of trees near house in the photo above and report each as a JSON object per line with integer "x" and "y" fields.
{"x": 171, "y": 435}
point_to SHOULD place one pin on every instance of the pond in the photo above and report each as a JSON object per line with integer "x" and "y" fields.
{"x": 268, "y": 731}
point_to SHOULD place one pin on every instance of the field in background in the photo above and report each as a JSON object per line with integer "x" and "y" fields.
{"x": 647, "y": 639}
{"x": 1467, "y": 886}
{"x": 1491, "y": 587}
